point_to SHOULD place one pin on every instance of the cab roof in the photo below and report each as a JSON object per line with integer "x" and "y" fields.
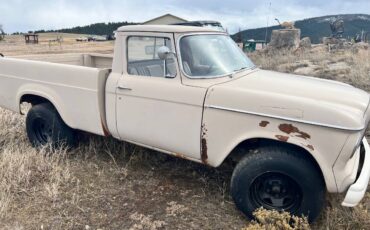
{"x": 165, "y": 29}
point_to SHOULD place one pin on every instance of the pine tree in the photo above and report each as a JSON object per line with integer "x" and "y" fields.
{"x": 2, "y": 34}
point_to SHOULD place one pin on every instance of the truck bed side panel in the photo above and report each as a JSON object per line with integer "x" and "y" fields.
{"x": 102, "y": 61}
{"x": 76, "y": 92}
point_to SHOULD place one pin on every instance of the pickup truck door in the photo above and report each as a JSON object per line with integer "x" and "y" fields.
{"x": 153, "y": 110}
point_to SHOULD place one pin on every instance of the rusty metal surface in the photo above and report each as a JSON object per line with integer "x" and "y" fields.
{"x": 204, "y": 154}
{"x": 290, "y": 129}
{"x": 263, "y": 124}
{"x": 310, "y": 147}
{"x": 105, "y": 129}
{"x": 282, "y": 138}
{"x": 204, "y": 150}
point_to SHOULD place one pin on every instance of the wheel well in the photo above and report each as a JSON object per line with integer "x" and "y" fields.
{"x": 33, "y": 99}
{"x": 36, "y": 100}
{"x": 249, "y": 145}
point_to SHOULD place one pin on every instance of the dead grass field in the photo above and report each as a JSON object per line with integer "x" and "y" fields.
{"x": 107, "y": 184}
{"x": 14, "y": 45}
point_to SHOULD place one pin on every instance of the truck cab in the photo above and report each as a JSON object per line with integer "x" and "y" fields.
{"x": 170, "y": 91}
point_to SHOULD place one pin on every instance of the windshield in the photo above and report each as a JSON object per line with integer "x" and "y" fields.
{"x": 211, "y": 55}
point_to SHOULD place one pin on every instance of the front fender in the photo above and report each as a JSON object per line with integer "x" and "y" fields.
{"x": 223, "y": 131}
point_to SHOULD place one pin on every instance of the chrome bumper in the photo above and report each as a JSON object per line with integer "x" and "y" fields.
{"x": 357, "y": 190}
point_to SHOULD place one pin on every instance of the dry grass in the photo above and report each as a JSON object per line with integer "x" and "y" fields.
{"x": 273, "y": 220}
{"x": 107, "y": 184}
{"x": 14, "y": 45}
{"x": 351, "y": 66}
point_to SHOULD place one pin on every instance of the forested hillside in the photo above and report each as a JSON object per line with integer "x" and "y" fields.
{"x": 97, "y": 28}
{"x": 315, "y": 28}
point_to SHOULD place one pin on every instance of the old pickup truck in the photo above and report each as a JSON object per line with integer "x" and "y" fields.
{"x": 192, "y": 93}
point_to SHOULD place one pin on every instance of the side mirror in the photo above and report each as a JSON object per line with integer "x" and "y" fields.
{"x": 164, "y": 52}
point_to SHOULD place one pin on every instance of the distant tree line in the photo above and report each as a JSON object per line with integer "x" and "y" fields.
{"x": 314, "y": 28}
{"x": 96, "y": 28}
{"x": 2, "y": 33}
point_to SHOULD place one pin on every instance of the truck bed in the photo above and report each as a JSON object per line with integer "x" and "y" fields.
{"x": 88, "y": 60}
{"x": 76, "y": 89}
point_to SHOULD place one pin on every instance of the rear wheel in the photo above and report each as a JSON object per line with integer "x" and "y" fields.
{"x": 279, "y": 178}
{"x": 45, "y": 126}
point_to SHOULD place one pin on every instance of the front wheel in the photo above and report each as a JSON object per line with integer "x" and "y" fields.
{"x": 45, "y": 126}
{"x": 279, "y": 178}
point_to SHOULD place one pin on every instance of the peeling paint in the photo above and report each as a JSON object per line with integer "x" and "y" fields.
{"x": 105, "y": 130}
{"x": 204, "y": 130}
{"x": 179, "y": 155}
{"x": 303, "y": 135}
{"x": 204, "y": 154}
{"x": 289, "y": 128}
{"x": 310, "y": 147}
{"x": 282, "y": 138}
{"x": 204, "y": 148}
{"x": 264, "y": 123}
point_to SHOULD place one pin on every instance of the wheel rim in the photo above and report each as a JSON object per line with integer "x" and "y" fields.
{"x": 274, "y": 190}
{"x": 42, "y": 130}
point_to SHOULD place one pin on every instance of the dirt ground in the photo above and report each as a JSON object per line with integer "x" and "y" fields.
{"x": 107, "y": 184}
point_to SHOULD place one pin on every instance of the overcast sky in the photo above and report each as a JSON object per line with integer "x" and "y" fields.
{"x": 25, "y": 15}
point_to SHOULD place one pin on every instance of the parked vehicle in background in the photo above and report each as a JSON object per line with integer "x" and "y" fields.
{"x": 82, "y": 39}
{"x": 192, "y": 93}
{"x": 100, "y": 38}
{"x": 110, "y": 37}
{"x": 96, "y": 38}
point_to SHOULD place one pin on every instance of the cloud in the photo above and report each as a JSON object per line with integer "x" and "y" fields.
{"x": 24, "y": 15}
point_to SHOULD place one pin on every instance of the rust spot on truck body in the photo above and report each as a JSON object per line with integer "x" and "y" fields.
{"x": 204, "y": 154}
{"x": 282, "y": 138}
{"x": 204, "y": 148}
{"x": 263, "y": 124}
{"x": 311, "y": 147}
{"x": 182, "y": 156}
{"x": 179, "y": 155}
{"x": 105, "y": 129}
{"x": 289, "y": 129}
{"x": 304, "y": 135}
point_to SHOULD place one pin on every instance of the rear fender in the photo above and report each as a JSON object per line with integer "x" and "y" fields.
{"x": 48, "y": 94}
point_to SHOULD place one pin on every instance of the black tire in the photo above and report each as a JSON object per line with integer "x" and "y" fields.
{"x": 45, "y": 126}
{"x": 279, "y": 178}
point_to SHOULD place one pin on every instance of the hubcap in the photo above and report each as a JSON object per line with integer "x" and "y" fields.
{"x": 274, "y": 190}
{"x": 43, "y": 131}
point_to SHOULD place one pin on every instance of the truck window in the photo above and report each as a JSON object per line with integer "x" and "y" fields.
{"x": 143, "y": 59}
{"x": 211, "y": 56}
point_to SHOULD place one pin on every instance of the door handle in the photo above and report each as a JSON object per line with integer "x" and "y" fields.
{"x": 123, "y": 88}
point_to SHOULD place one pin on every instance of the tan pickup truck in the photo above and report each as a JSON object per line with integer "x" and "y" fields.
{"x": 191, "y": 92}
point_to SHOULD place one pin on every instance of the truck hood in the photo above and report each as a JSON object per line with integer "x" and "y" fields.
{"x": 293, "y": 97}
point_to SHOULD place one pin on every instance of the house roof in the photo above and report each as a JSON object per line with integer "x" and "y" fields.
{"x": 165, "y": 15}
